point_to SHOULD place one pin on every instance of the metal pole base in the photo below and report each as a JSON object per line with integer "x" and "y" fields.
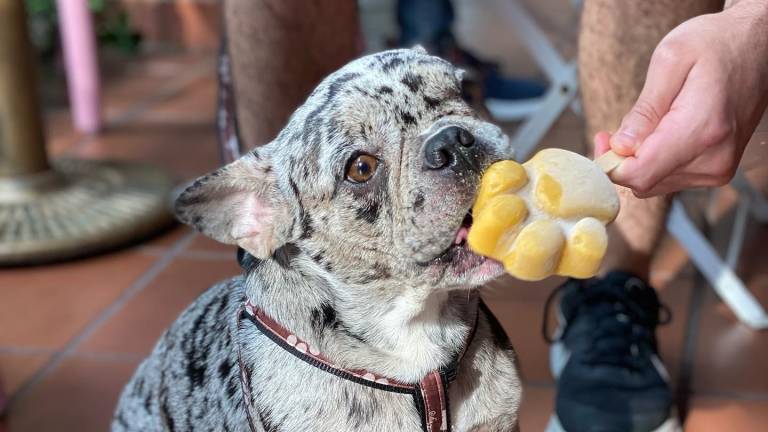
{"x": 79, "y": 208}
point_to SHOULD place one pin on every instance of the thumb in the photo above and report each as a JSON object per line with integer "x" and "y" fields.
{"x": 667, "y": 72}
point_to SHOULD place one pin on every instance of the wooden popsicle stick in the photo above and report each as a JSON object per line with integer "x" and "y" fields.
{"x": 609, "y": 161}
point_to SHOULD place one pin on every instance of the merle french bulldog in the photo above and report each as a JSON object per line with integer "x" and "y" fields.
{"x": 358, "y": 308}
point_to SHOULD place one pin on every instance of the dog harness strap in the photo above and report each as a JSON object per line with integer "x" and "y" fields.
{"x": 247, "y": 397}
{"x": 430, "y": 394}
{"x": 435, "y": 400}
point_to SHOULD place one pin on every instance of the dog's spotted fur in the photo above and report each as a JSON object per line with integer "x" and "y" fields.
{"x": 363, "y": 271}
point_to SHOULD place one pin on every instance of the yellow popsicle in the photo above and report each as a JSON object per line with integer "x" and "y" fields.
{"x": 584, "y": 250}
{"x": 536, "y": 251}
{"x": 502, "y": 213}
{"x": 502, "y": 177}
{"x": 546, "y": 216}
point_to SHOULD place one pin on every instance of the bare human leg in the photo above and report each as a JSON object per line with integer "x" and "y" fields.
{"x": 605, "y": 357}
{"x": 615, "y": 46}
{"x": 280, "y": 50}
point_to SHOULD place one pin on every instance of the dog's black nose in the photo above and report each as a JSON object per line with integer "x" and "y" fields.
{"x": 452, "y": 148}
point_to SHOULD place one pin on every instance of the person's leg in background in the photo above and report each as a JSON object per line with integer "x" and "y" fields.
{"x": 615, "y": 47}
{"x": 609, "y": 375}
{"x": 277, "y": 53}
{"x": 429, "y": 23}
{"x": 426, "y": 22}
{"x": 280, "y": 50}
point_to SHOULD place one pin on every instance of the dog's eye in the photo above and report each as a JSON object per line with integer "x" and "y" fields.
{"x": 361, "y": 168}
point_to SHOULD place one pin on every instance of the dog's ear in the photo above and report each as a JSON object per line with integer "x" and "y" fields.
{"x": 238, "y": 204}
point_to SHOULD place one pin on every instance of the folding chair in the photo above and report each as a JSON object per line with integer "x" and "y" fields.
{"x": 541, "y": 113}
{"x": 538, "y": 117}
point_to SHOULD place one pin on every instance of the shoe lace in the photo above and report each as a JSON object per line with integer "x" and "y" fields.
{"x": 623, "y": 330}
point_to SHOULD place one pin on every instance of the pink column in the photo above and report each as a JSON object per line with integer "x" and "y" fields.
{"x": 81, "y": 61}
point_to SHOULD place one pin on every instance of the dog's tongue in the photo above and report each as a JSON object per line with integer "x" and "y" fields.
{"x": 461, "y": 236}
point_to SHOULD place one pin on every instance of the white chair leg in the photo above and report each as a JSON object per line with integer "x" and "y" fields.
{"x": 737, "y": 233}
{"x": 513, "y": 110}
{"x": 758, "y": 204}
{"x": 541, "y": 112}
{"x": 558, "y": 97}
{"x": 722, "y": 278}
{"x": 536, "y": 42}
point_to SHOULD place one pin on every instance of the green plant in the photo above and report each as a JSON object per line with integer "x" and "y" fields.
{"x": 111, "y": 23}
{"x": 43, "y": 27}
{"x": 113, "y": 26}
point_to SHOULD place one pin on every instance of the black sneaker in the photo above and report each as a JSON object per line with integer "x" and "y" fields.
{"x": 605, "y": 358}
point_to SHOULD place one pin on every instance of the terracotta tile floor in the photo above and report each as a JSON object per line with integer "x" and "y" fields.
{"x": 72, "y": 333}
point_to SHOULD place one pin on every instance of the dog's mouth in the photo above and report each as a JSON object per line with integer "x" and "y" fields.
{"x": 464, "y": 262}
{"x": 459, "y": 239}
{"x": 463, "y": 232}
{"x": 458, "y": 255}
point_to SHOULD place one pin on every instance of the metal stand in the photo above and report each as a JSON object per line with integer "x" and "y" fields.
{"x": 68, "y": 208}
{"x": 718, "y": 273}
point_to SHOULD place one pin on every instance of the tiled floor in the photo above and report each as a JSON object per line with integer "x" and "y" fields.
{"x": 71, "y": 334}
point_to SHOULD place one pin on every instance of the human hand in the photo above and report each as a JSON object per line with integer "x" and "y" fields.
{"x": 705, "y": 91}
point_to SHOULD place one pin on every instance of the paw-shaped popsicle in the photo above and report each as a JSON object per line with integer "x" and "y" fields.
{"x": 544, "y": 217}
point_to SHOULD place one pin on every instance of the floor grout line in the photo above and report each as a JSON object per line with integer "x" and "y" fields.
{"x": 200, "y": 255}
{"x": 209, "y": 255}
{"x": 116, "y": 357}
{"x": 105, "y": 355}
{"x": 71, "y": 346}
{"x": 25, "y": 351}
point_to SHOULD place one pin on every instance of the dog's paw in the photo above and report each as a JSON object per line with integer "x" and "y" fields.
{"x": 544, "y": 217}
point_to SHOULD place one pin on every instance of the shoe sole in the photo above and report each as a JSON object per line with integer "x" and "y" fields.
{"x": 558, "y": 357}
{"x": 671, "y": 425}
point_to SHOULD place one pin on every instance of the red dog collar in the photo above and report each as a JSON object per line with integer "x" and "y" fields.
{"x": 430, "y": 395}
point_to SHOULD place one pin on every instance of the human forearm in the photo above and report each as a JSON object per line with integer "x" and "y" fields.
{"x": 704, "y": 95}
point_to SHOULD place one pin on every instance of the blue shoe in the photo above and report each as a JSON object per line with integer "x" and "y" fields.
{"x": 429, "y": 23}
{"x": 605, "y": 358}
{"x": 497, "y": 86}
{"x": 493, "y": 84}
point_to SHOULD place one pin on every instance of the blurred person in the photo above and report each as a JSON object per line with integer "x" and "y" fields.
{"x": 683, "y": 82}
{"x": 704, "y": 93}
{"x": 429, "y": 23}
{"x": 280, "y": 43}
{"x": 278, "y": 53}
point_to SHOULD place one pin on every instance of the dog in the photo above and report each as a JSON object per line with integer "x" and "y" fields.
{"x": 357, "y": 309}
